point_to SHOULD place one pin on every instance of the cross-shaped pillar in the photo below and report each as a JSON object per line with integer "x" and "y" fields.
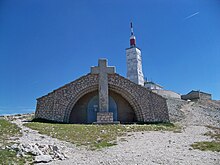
{"x": 103, "y": 70}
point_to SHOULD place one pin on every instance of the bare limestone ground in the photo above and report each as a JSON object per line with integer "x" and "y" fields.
{"x": 154, "y": 147}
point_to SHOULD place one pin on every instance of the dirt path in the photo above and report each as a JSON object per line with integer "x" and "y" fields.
{"x": 38, "y": 144}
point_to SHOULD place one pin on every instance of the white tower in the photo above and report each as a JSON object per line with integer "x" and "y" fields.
{"x": 134, "y": 62}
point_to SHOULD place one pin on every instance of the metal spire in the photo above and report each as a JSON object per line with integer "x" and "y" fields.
{"x": 132, "y": 31}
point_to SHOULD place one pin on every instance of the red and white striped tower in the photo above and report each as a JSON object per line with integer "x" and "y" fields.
{"x": 132, "y": 37}
{"x": 134, "y": 61}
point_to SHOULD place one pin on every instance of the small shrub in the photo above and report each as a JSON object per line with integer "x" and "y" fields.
{"x": 207, "y": 146}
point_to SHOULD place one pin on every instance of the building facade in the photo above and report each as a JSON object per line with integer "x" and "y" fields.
{"x": 79, "y": 101}
{"x": 196, "y": 95}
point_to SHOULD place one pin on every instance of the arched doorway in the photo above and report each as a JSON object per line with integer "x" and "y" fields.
{"x": 85, "y": 109}
{"x": 93, "y": 107}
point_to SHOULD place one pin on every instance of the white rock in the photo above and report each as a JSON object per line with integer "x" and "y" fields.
{"x": 36, "y": 150}
{"x": 43, "y": 159}
{"x": 14, "y": 146}
{"x": 60, "y": 156}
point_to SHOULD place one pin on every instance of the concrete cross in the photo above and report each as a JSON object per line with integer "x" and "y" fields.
{"x": 103, "y": 70}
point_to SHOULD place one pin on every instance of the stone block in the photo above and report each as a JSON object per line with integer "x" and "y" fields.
{"x": 105, "y": 118}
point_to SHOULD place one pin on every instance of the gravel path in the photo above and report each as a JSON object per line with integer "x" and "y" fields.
{"x": 143, "y": 147}
{"x": 30, "y": 136}
{"x": 151, "y": 148}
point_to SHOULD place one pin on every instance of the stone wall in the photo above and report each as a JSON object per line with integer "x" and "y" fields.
{"x": 57, "y": 105}
{"x": 54, "y": 105}
{"x": 174, "y": 107}
{"x": 205, "y": 96}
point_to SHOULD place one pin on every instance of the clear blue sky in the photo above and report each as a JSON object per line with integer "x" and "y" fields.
{"x": 45, "y": 44}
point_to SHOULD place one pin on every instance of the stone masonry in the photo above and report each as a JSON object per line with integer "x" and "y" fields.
{"x": 57, "y": 105}
{"x": 104, "y": 117}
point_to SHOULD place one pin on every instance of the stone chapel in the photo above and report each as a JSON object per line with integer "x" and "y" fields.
{"x": 105, "y": 97}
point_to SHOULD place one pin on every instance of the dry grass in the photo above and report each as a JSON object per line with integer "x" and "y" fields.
{"x": 207, "y": 146}
{"x": 94, "y": 136}
{"x": 7, "y": 130}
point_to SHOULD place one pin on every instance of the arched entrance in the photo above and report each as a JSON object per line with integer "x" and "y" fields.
{"x": 84, "y": 108}
{"x": 93, "y": 107}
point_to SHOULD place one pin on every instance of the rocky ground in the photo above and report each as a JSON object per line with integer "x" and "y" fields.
{"x": 159, "y": 147}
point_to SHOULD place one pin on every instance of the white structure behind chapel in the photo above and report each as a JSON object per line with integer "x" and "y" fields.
{"x": 151, "y": 85}
{"x": 135, "y": 73}
{"x": 134, "y": 61}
